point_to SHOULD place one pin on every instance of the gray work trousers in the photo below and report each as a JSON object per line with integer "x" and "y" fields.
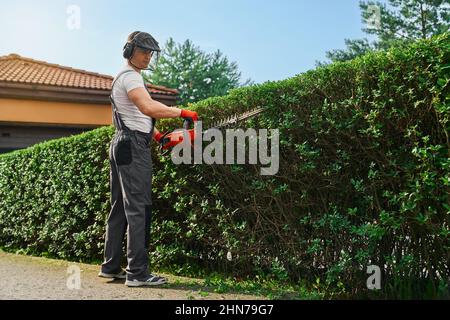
{"x": 131, "y": 204}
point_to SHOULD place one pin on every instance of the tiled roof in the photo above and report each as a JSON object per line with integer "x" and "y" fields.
{"x": 18, "y": 69}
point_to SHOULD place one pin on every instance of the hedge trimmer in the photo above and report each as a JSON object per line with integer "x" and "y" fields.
{"x": 171, "y": 139}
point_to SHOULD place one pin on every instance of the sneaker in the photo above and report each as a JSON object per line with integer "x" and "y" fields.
{"x": 151, "y": 281}
{"x": 121, "y": 275}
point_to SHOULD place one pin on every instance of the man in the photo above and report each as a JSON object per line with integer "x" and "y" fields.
{"x": 134, "y": 112}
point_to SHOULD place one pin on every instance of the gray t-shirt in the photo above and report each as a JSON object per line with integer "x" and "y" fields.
{"x": 129, "y": 113}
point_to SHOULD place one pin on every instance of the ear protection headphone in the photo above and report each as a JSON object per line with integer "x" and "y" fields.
{"x": 129, "y": 47}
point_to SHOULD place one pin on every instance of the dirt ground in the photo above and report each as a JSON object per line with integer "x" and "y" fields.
{"x": 25, "y": 277}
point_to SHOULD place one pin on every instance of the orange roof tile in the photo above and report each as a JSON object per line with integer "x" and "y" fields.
{"x": 18, "y": 69}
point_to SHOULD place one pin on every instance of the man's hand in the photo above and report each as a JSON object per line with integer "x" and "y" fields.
{"x": 169, "y": 140}
{"x": 162, "y": 139}
{"x": 189, "y": 115}
{"x": 158, "y": 136}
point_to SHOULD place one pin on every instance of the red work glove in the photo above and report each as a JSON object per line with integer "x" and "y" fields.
{"x": 158, "y": 137}
{"x": 170, "y": 140}
{"x": 189, "y": 115}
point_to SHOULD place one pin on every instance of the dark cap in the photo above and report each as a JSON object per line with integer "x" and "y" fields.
{"x": 145, "y": 41}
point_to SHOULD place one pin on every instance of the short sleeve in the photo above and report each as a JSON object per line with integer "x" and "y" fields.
{"x": 132, "y": 80}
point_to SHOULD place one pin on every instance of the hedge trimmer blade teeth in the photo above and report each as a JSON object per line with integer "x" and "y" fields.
{"x": 234, "y": 120}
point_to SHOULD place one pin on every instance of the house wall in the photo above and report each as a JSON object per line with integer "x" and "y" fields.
{"x": 61, "y": 113}
{"x": 20, "y": 136}
{"x": 24, "y": 123}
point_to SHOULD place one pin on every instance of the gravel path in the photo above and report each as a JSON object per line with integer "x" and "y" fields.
{"x": 26, "y": 277}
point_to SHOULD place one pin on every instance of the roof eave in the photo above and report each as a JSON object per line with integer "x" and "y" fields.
{"x": 62, "y": 94}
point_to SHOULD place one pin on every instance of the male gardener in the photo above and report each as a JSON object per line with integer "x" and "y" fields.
{"x": 134, "y": 112}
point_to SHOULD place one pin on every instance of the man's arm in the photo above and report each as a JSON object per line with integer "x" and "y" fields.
{"x": 150, "y": 107}
{"x": 157, "y": 110}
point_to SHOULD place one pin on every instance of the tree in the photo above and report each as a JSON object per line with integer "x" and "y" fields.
{"x": 402, "y": 22}
{"x": 354, "y": 49}
{"x": 196, "y": 74}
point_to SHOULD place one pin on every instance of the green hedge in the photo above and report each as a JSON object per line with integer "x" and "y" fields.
{"x": 364, "y": 179}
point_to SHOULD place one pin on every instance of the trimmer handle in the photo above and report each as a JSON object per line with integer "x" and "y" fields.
{"x": 168, "y": 142}
{"x": 187, "y": 123}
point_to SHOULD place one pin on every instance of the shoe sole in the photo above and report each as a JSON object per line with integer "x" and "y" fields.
{"x": 144, "y": 283}
{"x": 111, "y": 276}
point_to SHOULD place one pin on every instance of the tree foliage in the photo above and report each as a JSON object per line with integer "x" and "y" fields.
{"x": 195, "y": 73}
{"x": 400, "y": 22}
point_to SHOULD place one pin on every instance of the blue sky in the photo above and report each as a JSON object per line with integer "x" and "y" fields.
{"x": 269, "y": 40}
